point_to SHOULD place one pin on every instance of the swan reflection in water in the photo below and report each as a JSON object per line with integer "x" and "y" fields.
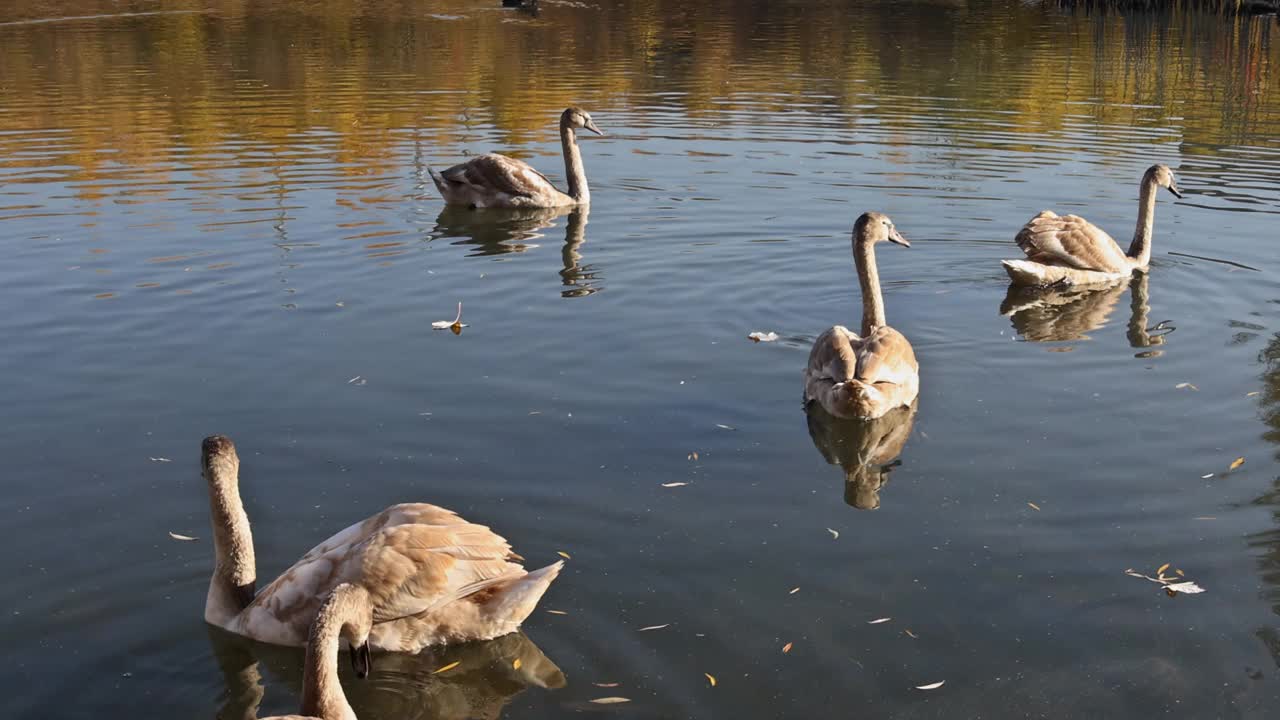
{"x": 1063, "y": 314}
{"x": 867, "y": 450}
{"x": 496, "y": 231}
{"x": 400, "y": 687}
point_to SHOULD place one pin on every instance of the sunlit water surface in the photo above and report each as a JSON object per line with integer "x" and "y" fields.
{"x": 216, "y": 217}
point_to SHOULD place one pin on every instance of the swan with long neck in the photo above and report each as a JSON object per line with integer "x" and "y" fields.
{"x": 1069, "y": 250}
{"x": 432, "y": 577}
{"x": 495, "y": 180}
{"x": 867, "y": 375}
{"x": 346, "y": 614}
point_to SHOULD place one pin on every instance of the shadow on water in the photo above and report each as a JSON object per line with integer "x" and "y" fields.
{"x": 495, "y": 231}
{"x": 401, "y": 686}
{"x": 1267, "y": 543}
{"x": 867, "y": 450}
{"x": 1067, "y": 314}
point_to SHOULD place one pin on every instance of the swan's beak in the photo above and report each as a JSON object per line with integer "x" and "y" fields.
{"x": 1176, "y": 192}
{"x": 896, "y": 238}
{"x": 361, "y": 660}
{"x": 591, "y": 125}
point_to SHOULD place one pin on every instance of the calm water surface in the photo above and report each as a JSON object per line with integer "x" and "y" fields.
{"x": 216, "y": 218}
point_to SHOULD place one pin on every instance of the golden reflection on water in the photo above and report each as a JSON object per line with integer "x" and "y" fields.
{"x": 202, "y": 78}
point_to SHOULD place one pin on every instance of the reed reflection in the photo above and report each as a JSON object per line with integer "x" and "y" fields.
{"x": 495, "y": 231}
{"x": 1061, "y": 314}
{"x": 1267, "y": 543}
{"x": 402, "y": 686}
{"x": 867, "y": 450}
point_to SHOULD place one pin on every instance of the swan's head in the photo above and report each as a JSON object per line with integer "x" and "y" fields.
{"x": 877, "y": 227}
{"x": 349, "y": 604}
{"x": 577, "y": 118}
{"x": 1164, "y": 178}
{"x": 218, "y": 460}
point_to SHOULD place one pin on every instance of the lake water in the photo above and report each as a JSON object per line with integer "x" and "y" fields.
{"x": 216, "y": 217}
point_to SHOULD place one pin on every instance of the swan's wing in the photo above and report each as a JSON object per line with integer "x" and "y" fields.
{"x": 832, "y": 357}
{"x": 409, "y": 569}
{"x": 499, "y": 173}
{"x": 885, "y": 356}
{"x": 402, "y": 514}
{"x": 1072, "y": 241}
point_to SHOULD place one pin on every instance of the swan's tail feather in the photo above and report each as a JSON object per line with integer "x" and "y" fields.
{"x": 1026, "y": 272}
{"x": 518, "y": 599}
{"x": 439, "y": 181}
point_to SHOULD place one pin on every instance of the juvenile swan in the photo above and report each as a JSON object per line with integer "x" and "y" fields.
{"x": 867, "y": 376}
{"x": 432, "y": 577}
{"x": 499, "y": 181}
{"x": 1069, "y": 250}
{"x": 345, "y": 615}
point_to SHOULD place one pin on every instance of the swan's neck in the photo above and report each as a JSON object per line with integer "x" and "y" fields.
{"x": 864, "y": 259}
{"x": 1140, "y": 248}
{"x": 322, "y": 694}
{"x": 573, "y": 169}
{"x": 234, "y": 571}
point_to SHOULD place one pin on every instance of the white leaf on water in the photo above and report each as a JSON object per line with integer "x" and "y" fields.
{"x": 835, "y": 534}
{"x": 758, "y": 336}
{"x": 877, "y": 621}
{"x": 1180, "y": 386}
{"x": 653, "y": 627}
{"x": 931, "y": 686}
{"x": 1188, "y": 587}
{"x": 674, "y": 484}
{"x": 610, "y": 700}
{"x": 184, "y": 538}
{"x": 446, "y": 324}
{"x": 160, "y": 459}
{"x": 725, "y": 427}
{"x": 1206, "y": 477}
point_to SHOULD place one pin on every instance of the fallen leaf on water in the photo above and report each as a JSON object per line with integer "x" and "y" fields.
{"x": 1188, "y": 587}
{"x": 610, "y": 700}
{"x": 931, "y": 686}
{"x": 186, "y": 538}
{"x": 1206, "y": 477}
{"x": 835, "y": 535}
{"x": 725, "y": 427}
{"x": 787, "y": 648}
{"x": 913, "y": 635}
{"x": 455, "y": 324}
{"x": 1255, "y": 392}
{"x": 515, "y": 664}
{"x": 1180, "y": 386}
{"x": 557, "y": 612}
{"x": 1236, "y": 463}
{"x": 653, "y": 627}
{"x": 877, "y": 621}
{"x": 758, "y": 336}
{"x": 1205, "y": 517}
{"x": 160, "y": 459}
{"x": 450, "y": 666}
{"x": 563, "y": 554}
{"x": 693, "y": 455}
{"x": 794, "y": 590}
{"x": 674, "y": 484}
{"x": 1033, "y": 506}
{"x": 606, "y": 685}
{"x": 1162, "y": 568}
{"x": 711, "y": 679}
{"x": 1180, "y": 573}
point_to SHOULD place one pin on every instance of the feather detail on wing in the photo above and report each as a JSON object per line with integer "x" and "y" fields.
{"x": 1071, "y": 241}
{"x": 501, "y": 174}
{"x": 861, "y": 377}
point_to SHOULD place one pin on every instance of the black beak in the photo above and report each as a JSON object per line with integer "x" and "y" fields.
{"x": 361, "y": 661}
{"x": 1176, "y": 192}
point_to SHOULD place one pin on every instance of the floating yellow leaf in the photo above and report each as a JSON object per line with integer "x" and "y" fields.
{"x": 1033, "y": 506}
{"x": 563, "y": 554}
{"x": 515, "y": 664}
{"x": 1162, "y": 569}
{"x": 1180, "y": 573}
{"x": 448, "y": 667}
{"x": 711, "y": 679}
{"x": 1236, "y": 463}
{"x": 787, "y": 648}
{"x": 184, "y": 538}
{"x": 610, "y": 700}
{"x": 877, "y": 621}
{"x": 931, "y": 686}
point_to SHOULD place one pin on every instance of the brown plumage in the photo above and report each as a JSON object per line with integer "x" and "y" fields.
{"x": 1069, "y": 250}
{"x": 867, "y": 375}
{"x": 345, "y": 614}
{"x": 865, "y": 449}
{"x": 499, "y": 181}
{"x": 420, "y": 564}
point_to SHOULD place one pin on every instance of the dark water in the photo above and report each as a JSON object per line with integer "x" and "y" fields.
{"x": 216, "y": 218}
